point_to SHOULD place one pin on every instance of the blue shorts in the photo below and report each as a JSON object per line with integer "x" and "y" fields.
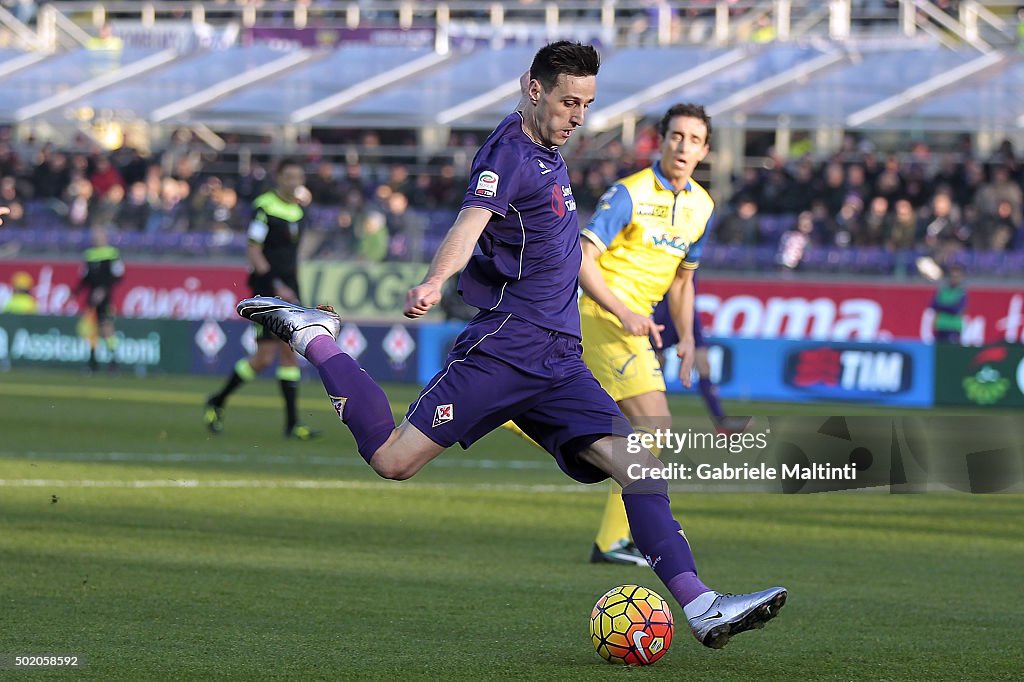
{"x": 669, "y": 335}
{"x": 503, "y": 368}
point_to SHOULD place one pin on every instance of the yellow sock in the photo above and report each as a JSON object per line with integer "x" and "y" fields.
{"x": 614, "y": 523}
{"x": 511, "y": 426}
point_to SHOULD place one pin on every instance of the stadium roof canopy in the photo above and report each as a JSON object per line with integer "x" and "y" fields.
{"x": 800, "y": 86}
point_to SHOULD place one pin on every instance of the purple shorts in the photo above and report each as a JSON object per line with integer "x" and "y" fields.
{"x": 669, "y": 335}
{"x": 504, "y": 368}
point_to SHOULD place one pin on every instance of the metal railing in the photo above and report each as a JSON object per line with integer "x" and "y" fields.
{"x": 624, "y": 22}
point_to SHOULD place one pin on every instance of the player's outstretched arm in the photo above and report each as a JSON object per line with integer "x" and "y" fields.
{"x": 596, "y": 288}
{"x": 451, "y": 256}
{"x": 681, "y": 295}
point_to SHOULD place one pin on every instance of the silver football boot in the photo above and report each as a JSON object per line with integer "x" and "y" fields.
{"x": 289, "y": 322}
{"x": 731, "y": 614}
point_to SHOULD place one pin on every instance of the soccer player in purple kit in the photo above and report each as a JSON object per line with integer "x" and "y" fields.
{"x": 517, "y": 241}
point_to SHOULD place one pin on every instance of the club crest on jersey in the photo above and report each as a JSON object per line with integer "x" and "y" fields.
{"x": 443, "y": 414}
{"x": 487, "y": 184}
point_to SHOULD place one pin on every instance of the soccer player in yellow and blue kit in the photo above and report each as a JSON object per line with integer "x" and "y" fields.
{"x": 643, "y": 242}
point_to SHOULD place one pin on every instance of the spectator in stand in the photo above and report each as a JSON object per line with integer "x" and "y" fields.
{"x": 105, "y": 210}
{"x": 79, "y": 201}
{"x": 943, "y": 231}
{"x": 372, "y": 244}
{"x": 354, "y": 179}
{"x": 889, "y": 183}
{"x": 448, "y": 187}
{"x": 802, "y": 190}
{"x": 948, "y": 174}
{"x": 421, "y": 194}
{"x": 875, "y": 224}
{"x": 794, "y": 243}
{"x": 252, "y": 181}
{"x": 833, "y": 189}
{"x": 739, "y": 227}
{"x": 903, "y": 229}
{"x": 996, "y": 232}
{"x": 11, "y": 198}
{"x": 915, "y": 187}
{"x": 339, "y": 243}
{"x": 1000, "y": 188}
{"x": 399, "y": 180}
{"x": 131, "y": 164}
{"x": 407, "y": 229}
{"x": 170, "y": 213}
{"x": 972, "y": 180}
{"x": 104, "y": 176}
{"x": 324, "y": 186}
{"x": 1004, "y": 155}
{"x": 857, "y": 184}
{"x": 51, "y": 175}
{"x": 847, "y": 222}
{"x": 777, "y": 191}
{"x": 133, "y": 213}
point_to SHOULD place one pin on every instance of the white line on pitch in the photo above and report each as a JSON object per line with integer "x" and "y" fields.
{"x": 225, "y": 458}
{"x": 287, "y": 484}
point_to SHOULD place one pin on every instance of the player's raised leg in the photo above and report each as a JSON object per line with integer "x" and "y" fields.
{"x": 713, "y": 617}
{"x": 395, "y": 453}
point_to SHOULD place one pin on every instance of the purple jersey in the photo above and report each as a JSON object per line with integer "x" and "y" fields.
{"x": 527, "y": 261}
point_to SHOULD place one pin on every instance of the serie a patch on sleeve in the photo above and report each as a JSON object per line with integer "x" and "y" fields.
{"x": 487, "y": 184}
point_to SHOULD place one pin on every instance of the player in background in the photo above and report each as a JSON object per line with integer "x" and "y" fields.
{"x": 949, "y": 304}
{"x": 708, "y": 391}
{"x": 516, "y": 239}
{"x": 273, "y": 270}
{"x": 102, "y": 270}
{"x": 643, "y": 244}
{"x": 22, "y": 302}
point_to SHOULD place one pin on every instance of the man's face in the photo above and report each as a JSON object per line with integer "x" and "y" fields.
{"x": 289, "y": 179}
{"x": 684, "y": 146}
{"x": 562, "y": 109}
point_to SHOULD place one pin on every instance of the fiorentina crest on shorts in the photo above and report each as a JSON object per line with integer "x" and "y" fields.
{"x": 443, "y": 414}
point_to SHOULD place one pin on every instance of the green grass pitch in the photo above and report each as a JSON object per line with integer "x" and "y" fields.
{"x": 131, "y": 537}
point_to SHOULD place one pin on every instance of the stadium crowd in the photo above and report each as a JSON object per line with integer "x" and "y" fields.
{"x": 388, "y": 208}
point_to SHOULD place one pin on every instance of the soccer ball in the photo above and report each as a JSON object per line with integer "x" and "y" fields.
{"x": 632, "y": 625}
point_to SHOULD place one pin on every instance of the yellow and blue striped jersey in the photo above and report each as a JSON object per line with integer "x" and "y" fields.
{"x": 645, "y": 230}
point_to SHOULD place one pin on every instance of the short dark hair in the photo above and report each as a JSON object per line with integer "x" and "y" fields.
{"x": 690, "y": 110}
{"x": 564, "y": 57}
{"x": 287, "y": 162}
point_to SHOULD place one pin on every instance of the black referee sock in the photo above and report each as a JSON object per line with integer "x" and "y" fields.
{"x": 242, "y": 373}
{"x": 288, "y": 378}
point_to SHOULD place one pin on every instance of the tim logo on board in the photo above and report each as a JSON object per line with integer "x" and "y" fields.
{"x": 848, "y": 372}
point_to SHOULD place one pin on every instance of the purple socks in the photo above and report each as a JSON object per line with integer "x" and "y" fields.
{"x": 659, "y": 537}
{"x": 321, "y": 349}
{"x": 707, "y": 389}
{"x": 360, "y": 402}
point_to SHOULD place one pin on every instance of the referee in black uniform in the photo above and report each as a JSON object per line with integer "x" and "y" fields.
{"x": 273, "y": 271}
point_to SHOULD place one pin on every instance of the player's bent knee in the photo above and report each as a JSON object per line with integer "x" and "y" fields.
{"x": 394, "y": 468}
